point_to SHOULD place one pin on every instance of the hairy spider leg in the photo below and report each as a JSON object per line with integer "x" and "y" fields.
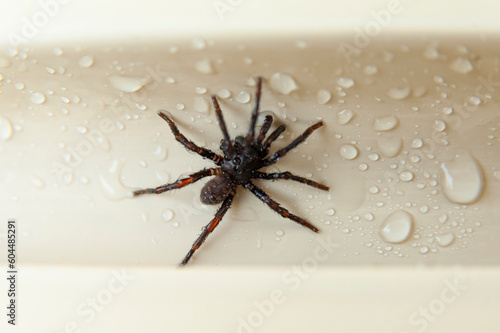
{"x": 222, "y": 124}
{"x": 301, "y": 138}
{"x": 255, "y": 112}
{"x": 209, "y": 227}
{"x": 264, "y": 197}
{"x": 273, "y": 137}
{"x": 268, "y": 120}
{"x": 203, "y": 152}
{"x": 181, "y": 182}
{"x": 289, "y": 176}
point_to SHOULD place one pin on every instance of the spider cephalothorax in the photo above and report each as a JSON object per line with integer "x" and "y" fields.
{"x": 243, "y": 158}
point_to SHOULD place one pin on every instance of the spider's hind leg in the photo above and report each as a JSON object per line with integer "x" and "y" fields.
{"x": 181, "y": 182}
{"x": 289, "y": 176}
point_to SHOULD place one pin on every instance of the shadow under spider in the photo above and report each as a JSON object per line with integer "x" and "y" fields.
{"x": 242, "y": 159}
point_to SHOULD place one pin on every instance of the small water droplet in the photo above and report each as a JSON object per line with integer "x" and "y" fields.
{"x": 386, "y": 123}
{"x": 368, "y": 217}
{"x": 424, "y": 209}
{"x": 373, "y": 157}
{"x": 160, "y": 153}
{"x": 373, "y": 189}
{"x": 37, "y": 182}
{"x": 345, "y": 82}
{"x": 330, "y": 212}
{"x": 204, "y": 66}
{"x": 406, "y": 176}
{"x": 439, "y": 125}
{"x": 447, "y": 110}
{"x": 280, "y": 233}
{"x": 127, "y": 83}
{"x": 37, "y": 98}
{"x": 6, "y": 129}
{"x": 167, "y": 215}
{"x": 363, "y": 166}
{"x": 111, "y": 185}
{"x": 445, "y": 239}
{"x": 323, "y": 96}
{"x": 4, "y": 62}
{"x": 443, "y": 218}
{"x": 399, "y": 93}
{"x": 175, "y": 224}
{"x": 224, "y": 93}
{"x": 86, "y": 61}
{"x": 417, "y": 143}
{"x": 423, "y": 250}
{"x": 81, "y": 129}
{"x": 463, "y": 179}
{"x": 282, "y": 83}
{"x": 462, "y": 65}
{"x": 348, "y": 151}
{"x": 389, "y": 146}
{"x": 371, "y": 70}
{"x": 397, "y": 227}
{"x": 345, "y": 116}
{"x": 243, "y": 97}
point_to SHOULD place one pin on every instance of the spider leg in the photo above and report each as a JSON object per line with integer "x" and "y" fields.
{"x": 268, "y": 120}
{"x": 288, "y": 175}
{"x": 273, "y": 137}
{"x": 209, "y": 227}
{"x": 255, "y": 112}
{"x": 222, "y": 124}
{"x": 181, "y": 182}
{"x": 301, "y": 138}
{"x": 264, "y": 197}
{"x": 203, "y": 152}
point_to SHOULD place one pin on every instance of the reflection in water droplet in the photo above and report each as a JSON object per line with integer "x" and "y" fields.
{"x": 282, "y": 83}
{"x": 386, "y": 123}
{"x": 463, "y": 179}
{"x": 397, "y": 227}
{"x": 6, "y": 129}
{"x": 348, "y": 151}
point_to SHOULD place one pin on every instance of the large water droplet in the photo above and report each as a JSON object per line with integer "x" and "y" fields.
{"x": 167, "y": 215}
{"x": 397, "y": 227}
{"x": 86, "y": 61}
{"x": 283, "y": 83}
{"x": 462, "y": 65}
{"x": 127, "y": 83}
{"x": 345, "y": 82}
{"x": 323, "y": 96}
{"x": 348, "y": 151}
{"x": 445, "y": 239}
{"x": 386, "y": 123}
{"x": 204, "y": 66}
{"x": 6, "y": 130}
{"x": 37, "y": 98}
{"x": 399, "y": 93}
{"x": 345, "y": 116}
{"x": 463, "y": 179}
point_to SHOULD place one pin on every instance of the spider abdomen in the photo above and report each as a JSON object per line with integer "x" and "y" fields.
{"x": 216, "y": 190}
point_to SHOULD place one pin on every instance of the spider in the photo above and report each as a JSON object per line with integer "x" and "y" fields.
{"x": 243, "y": 158}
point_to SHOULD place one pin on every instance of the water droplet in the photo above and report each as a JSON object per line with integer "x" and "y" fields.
{"x": 475, "y": 100}
{"x": 463, "y": 179}
{"x": 163, "y": 176}
{"x": 160, "y": 153}
{"x": 37, "y": 98}
{"x": 201, "y": 90}
{"x": 496, "y": 174}
{"x": 282, "y": 83}
{"x": 443, "y": 218}
{"x": 204, "y": 66}
{"x": 167, "y": 215}
{"x": 224, "y": 93}
{"x": 445, "y": 239}
{"x": 363, "y": 166}
{"x": 348, "y": 151}
{"x": 373, "y": 189}
{"x": 323, "y": 96}
{"x": 389, "y": 147}
{"x": 423, "y": 249}
{"x": 280, "y": 233}
{"x": 368, "y": 217}
{"x": 345, "y": 82}
{"x": 462, "y": 65}
{"x": 447, "y": 110}
{"x": 6, "y": 130}
{"x": 243, "y": 97}
{"x": 399, "y": 93}
{"x": 86, "y": 61}
{"x": 81, "y": 129}
{"x": 200, "y": 104}
{"x": 373, "y": 157}
{"x": 417, "y": 143}
{"x": 406, "y": 176}
{"x": 127, "y": 83}
{"x": 330, "y": 212}
{"x": 386, "y": 123}
{"x": 439, "y": 125}
{"x": 371, "y": 70}
{"x": 175, "y": 224}
{"x": 424, "y": 209}
{"x": 397, "y": 227}
{"x": 345, "y": 116}
{"x": 111, "y": 185}
{"x": 4, "y": 62}
{"x": 37, "y": 182}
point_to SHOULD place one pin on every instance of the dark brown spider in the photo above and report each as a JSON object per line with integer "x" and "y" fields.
{"x": 242, "y": 159}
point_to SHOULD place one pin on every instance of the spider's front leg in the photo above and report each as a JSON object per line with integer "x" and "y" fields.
{"x": 181, "y": 182}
